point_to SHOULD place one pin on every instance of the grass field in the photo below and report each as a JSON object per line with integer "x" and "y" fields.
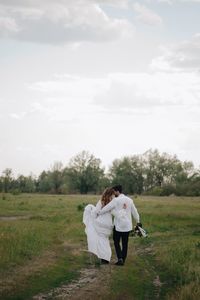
{"x": 42, "y": 246}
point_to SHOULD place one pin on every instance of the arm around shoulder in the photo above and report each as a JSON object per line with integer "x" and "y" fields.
{"x": 108, "y": 207}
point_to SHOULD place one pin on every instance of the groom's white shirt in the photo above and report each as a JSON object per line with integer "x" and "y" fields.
{"x": 122, "y": 217}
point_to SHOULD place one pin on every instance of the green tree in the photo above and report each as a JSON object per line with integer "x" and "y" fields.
{"x": 56, "y": 177}
{"x": 1, "y": 184}
{"x": 24, "y": 184}
{"x": 43, "y": 182}
{"x": 128, "y": 172}
{"x": 84, "y": 173}
{"x": 165, "y": 174}
{"x": 7, "y": 180}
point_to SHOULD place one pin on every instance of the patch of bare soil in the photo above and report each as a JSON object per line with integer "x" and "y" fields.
{"x": 158, "y": 284}
{"x": 14, "y": 218}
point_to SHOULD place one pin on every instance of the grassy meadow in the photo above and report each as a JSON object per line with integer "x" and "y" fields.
{"x": 42, "y": 246}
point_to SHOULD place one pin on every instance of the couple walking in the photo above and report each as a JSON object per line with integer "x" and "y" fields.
{"x": 99, "y": 224}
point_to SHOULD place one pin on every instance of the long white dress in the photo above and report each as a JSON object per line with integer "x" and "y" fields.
{"x": 98, "y": 230}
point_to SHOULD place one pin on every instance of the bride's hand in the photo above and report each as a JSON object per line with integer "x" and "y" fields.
{"x": 97, "y": 215}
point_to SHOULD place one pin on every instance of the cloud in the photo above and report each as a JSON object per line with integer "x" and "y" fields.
{"x": 8, "y": 26}
{"x": 69, "y": 87}
{"x": 182, "y": 56}
{"x": 146, "y": 15}
{"x": 160, "y": 1}
{"x": 113, "y": 3}
{"x": 172, "y": 1}
{"x": 61, "y": 21}
{"x": 149, "y": 91}
{"x": 121, "y": 3}
{"x": 17, "y": 116}
{"x": 72, "y": 96}
{"x": 66, "y": 97}
{"x": 75, "y": 112}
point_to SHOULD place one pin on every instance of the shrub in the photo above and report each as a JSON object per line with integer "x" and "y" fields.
{"x": 155, "y": 191}
{"x": 80, "y": 207}
{"x": 3, "y": 197}
{"x": 16, "y": 192}
{"x": 168, "y": 190}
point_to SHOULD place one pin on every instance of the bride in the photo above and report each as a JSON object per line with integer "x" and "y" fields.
{"x": 99, "y": 228}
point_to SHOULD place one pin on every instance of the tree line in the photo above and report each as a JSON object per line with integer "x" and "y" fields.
{"x": 152, "y": 173}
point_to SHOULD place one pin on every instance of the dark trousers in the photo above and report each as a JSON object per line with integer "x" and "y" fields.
{"x": 121, "y": 250}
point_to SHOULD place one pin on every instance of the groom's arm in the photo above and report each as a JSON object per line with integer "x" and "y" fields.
{"x": 110, "y": 206}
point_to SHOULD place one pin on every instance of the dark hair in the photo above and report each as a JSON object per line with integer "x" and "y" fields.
{"x": 117, "y": 188}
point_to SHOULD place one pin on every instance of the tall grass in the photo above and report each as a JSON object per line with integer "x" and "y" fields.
{"x": 39, "y": 251}
{"x": 23, "y": 240}
{"x": 54, "y": 223}
{"x": 170, "y": 253}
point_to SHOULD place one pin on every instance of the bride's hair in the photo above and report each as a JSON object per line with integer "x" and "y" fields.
{"x": 106, "y": 196}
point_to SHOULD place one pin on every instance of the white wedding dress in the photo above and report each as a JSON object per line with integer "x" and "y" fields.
{"x": 98, "y": 230}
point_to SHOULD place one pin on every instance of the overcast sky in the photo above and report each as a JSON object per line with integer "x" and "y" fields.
{"x": 114, "y": 77}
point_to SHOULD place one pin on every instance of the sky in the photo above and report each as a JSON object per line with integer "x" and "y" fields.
{"x": 113, "y": 77}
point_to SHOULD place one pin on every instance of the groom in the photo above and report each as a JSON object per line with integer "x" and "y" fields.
{"x": 122, "y": 222}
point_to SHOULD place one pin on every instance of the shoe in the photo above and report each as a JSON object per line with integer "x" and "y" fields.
{"x": 104, "y": 262}
{"x": 120, "y": 262}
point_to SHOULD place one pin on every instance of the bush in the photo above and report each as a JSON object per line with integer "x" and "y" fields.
{"x": 81, "y": 207}
{"x": 191, "y": 189}
{"x": 3, "y": 196}
{"x": 16, "y": 192}
{"x": 168, "y": 190}
{"x": 155, "y": 191}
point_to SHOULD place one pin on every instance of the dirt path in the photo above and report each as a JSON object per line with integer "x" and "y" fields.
{"x": 14, "y": 218}
{"x": 156, "y": 282}
{"x": 93, "y": 284}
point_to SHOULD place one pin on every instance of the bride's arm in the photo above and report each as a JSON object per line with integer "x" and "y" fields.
{"x": 97, "y": 208}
